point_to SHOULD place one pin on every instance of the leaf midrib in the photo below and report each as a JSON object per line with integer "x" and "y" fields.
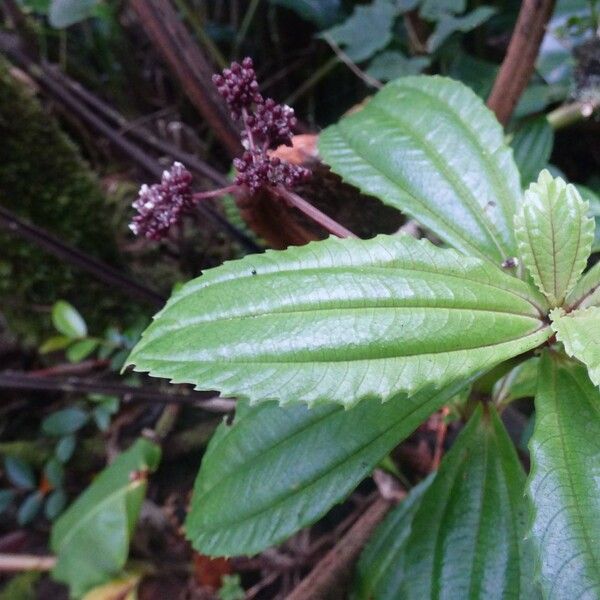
{"x": 98, "y": 508}
{"x": 297, "y": 360}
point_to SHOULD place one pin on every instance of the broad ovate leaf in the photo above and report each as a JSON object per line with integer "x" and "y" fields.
{"x": 91, "y": 539}
{"x": 278, "y": 469}
{"x": 579, "y": 332}
{"x": 555, "y": 235}
{"x": 565, "y": 481}
{"x": 429, "y": 147}
{"x": 465, "y": 537}
{"x": 342, "y": 321}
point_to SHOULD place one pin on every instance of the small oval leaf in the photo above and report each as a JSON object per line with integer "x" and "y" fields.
{"x": 68, "y": 321}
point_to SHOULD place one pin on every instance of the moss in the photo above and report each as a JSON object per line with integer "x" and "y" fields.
{"x": 44, "y": 180}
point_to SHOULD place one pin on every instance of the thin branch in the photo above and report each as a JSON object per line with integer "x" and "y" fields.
{"x": 519, "y": 62}
{"x": 127, "y": 393}
{"x": 175, "y": 44}
{"x": 332, "y": 571}
{"x": 313, "y": 212}
{"x": 12, "y": 563}
{"x": 370, "y": 81}
{"x": 570, "y": 114}
{"x": 77, "y": 258}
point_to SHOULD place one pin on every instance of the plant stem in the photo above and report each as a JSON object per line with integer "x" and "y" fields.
{"x": 77, "y": 258}
{"x": 200, "y": 31}
{"x": 519, "y": 62}
{"x": 314, "y": 213}
{"x": 331, "y": 571}
{"x": 313, "y": 80}
{"x": 10, "y": 563}
{"x": 128, "y": 393}
{"x": 243, "y": 30}
{"x": 570, "y": 114}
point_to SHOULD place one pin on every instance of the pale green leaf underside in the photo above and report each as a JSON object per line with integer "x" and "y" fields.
{"x": 429, "y": 147}
{"x": 278, "y": 469}
{"x": 341, "y": 321}
{"x": 587, "y": 290}
{"x": 91, "y": 539}
{"x": 466, "y": 538}
{"x": 565, "y": 482}
{"x": 579, "y": 331}
{"x": 554, "y": 235}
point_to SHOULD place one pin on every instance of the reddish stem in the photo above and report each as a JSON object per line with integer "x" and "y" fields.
{"x": 314, "y": 213}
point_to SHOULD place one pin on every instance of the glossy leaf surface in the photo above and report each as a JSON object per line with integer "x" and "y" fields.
{"x": 555, "y": 235}
{"x": 565, "y": 481}
{"x": 341, "y": 321}
{"x": 579, "y": 332}
{"x": 91, "y": 539}
{"x": 429, "y": 147}
{"x": 465, "y": 538}
{"x": 278, "y": 469}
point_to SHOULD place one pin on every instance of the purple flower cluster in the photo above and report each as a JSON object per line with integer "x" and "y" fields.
{"x": 256, "y": 169}
{"x": 267, "y": 125}
{"x": 161, "y": 205}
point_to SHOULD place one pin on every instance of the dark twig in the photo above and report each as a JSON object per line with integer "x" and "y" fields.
{"x": 128, "y": 393}
{"x": 45, "y": 75}
{"x": 77, "y": 258}
{"x": 519, "y": 62}
{"x": 332, "y": 571}
{"x": 170, "y": 37}
{"x": 191, "y": 161}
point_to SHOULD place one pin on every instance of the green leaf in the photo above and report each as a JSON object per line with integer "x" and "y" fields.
{"x": 355, "y": 34}
{"x": 532, "y": 146}
{"x": 429, "y": 147}
{"x": 449, "y": 24}
{"x": 54, "y": 472}
{"x": 6, "y": 499}
{"x": 81, "y": 349}
{"x": 323, "y": 13}
{"x": 65, "y": 448}
{"x": 276, "y": 470}
{"x": 30, "y": 508}
{"x": 376, "y": 571}
{"x": 58, "y": 342}
{"x": 342, "y": 321}
{"x": 520, "y": 382}
{"x": 63, "y": 13}
{"x": 55, "y": 504}
{"x": 68, "y": 321}
{"x": 555, "y": 235}
{"x": 565, "y": 481}
{"x": 578, "y": 331}
{"x": 21, "y": 587}
{"x": 19, "y": 473}
{"x": 466, "y": 536}
{"x": 433, "y": 10}
{"x": 65, "y": 421}
{"x": 91, "y": 539}
{"x": 393, "y": 64}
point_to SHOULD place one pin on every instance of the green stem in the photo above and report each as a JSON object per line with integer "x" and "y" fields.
{"x": 570, "y": 114}
{"x": 313, "y": 80}
{"x": 200, "y": 31}
{"x": 247, "y": 21}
